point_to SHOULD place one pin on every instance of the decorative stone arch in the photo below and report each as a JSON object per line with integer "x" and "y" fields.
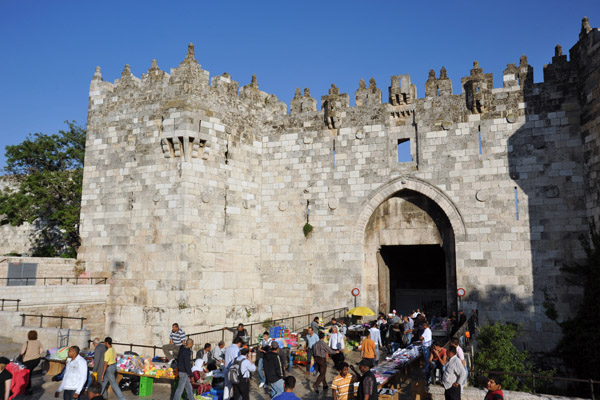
{"x": 374, "y": 276}
{"x": 386, "y": 191}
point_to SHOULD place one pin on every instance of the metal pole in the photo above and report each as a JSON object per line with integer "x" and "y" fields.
{"x": 82, "y": 323}
{"x": 18, "y": 301}
{"x": 23, "y": 321}
{"x": 41, "y": 319}
{"x": 3, "y": 305}
{"x": 592, "y": 388}
{"x": 533, "y": 377}
{"x": 61, "y": 322}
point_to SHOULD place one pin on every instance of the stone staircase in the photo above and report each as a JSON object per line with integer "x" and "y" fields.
{"x": 9, "y": 347}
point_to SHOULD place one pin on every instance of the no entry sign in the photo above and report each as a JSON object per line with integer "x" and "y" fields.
{"x": 355, "y": 292}
{"x": 461, "y": 292}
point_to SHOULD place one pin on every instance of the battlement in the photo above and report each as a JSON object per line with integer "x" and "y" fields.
{"x": 189, "y": 79}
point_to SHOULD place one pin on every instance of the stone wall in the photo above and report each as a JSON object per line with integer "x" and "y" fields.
{"x": 86, "y": 301}
{"x": 46, "y": 268}
{"x": 195, "y": 195}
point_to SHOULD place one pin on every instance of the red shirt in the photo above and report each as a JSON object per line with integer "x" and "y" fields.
{"x": 495, "y": 395}
{"x": 441, "y": 352}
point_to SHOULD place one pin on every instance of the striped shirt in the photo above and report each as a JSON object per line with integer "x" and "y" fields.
{"x": 177, "y": 337}
{"x": 342, "y": 384}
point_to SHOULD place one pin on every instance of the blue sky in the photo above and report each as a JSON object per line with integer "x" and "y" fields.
{"x": 49, "y": 49}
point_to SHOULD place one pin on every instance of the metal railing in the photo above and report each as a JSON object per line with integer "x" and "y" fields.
{"x": 132, "y": 345}
{"x": 9, "y": 300}
{"x": 293, "y": 323}
{"x": 54, "y": 281}
{"x": 60, "y": 317}
{"x": 213, "y": 336}
{"x": 533, "y": 378}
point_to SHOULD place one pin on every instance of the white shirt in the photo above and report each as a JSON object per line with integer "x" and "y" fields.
{"x": 336, "y": 341}
{"x": 76, "y": 375}
{"x": 376, "y": 336}
{"x": 454, "y": 372}
{"x": 198, "y": 365}
{"x": 427, "y": 337}
{"x": 246, "y": 367}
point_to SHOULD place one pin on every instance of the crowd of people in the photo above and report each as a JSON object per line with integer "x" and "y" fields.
{"x": 380, "y": 337}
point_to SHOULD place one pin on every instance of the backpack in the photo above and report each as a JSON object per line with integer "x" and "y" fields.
{"x": 234, "y": 375}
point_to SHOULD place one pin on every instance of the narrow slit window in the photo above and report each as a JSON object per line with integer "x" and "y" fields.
{"x": 334, "y": 152}
{"x": 479, "y": 135}
{"x": 404, "y": 154}
{"x": 517, "y": 203}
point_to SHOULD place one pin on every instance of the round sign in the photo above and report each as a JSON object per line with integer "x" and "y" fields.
{"x": 355, "y": 292}
{"x": 461, "y": 292}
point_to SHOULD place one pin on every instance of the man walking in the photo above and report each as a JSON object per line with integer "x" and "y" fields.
{"x": 320, "y": 350}
{"x": 184, "y": 365}
{"x": 367, "y": 350}
{"x": 343, "y": 384}
{"x": 176, "y": 339}
{"x": 76, "y": 375}
{"x": 246, "y": 368}
{"x": 367, "y": 387}
{"x": 311, "y": 339}
{"x": 99, "y": 350}
{"x": 263, "y": 347}
{"x": 231, "y": 353}
{"x": 274, "y": 370}
{"x": 376, "y": 337}
{"x": 110, "y": 369}
{"x": 454, "y": 375}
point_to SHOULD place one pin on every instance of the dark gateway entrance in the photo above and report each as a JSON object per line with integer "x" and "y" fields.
{"x": 409, "y": 245}
{"x": 417, "y": 276}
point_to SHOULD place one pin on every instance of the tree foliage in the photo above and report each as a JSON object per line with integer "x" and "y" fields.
{"x": 496, "y": 352}
{"x": 581, "y": 333}
{"x": 45, "y": 173}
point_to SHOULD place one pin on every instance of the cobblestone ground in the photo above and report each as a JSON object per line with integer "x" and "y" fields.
{"x": 44, "y": 388}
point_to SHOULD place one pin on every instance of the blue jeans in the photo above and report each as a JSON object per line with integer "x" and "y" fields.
{"x": 426, "y": 353}
{"x": 109, "y": 377}
{"x": 261, "y": 373}
{"x": 276, "y": 388}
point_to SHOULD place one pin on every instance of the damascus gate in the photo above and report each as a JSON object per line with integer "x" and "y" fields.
{"x": 198, "y": 193}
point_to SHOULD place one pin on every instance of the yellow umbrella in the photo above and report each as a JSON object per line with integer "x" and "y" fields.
{"x": 362, "y": 311}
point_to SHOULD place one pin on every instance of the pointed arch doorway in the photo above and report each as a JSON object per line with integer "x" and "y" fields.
{"x": 410, "y": 254}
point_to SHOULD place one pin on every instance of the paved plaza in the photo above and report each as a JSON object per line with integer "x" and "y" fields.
{"x": 44, "y": 388}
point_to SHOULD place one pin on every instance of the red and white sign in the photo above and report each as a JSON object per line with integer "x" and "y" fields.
{"x": 461, "y": 292}
{"x": 355, "y": 292}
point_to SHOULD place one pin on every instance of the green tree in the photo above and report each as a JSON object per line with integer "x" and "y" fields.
{"x": 581, "y": 333}
{"x": 45, "y": 173}
{"x": 496, "y": 352}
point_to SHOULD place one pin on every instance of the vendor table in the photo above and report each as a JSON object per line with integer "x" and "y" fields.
{"x": 54, "y": 367}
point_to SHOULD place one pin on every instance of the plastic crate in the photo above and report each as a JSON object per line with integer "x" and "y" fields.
{"x": 146, "y": 385}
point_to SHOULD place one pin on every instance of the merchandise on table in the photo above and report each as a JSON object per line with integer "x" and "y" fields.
{"x": 396, "y": 361}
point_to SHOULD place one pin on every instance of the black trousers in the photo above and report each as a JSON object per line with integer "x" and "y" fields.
{"x": 241, "y": 389}
{"x": 30, "y": 365}
{"x": 453, "y": 393}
